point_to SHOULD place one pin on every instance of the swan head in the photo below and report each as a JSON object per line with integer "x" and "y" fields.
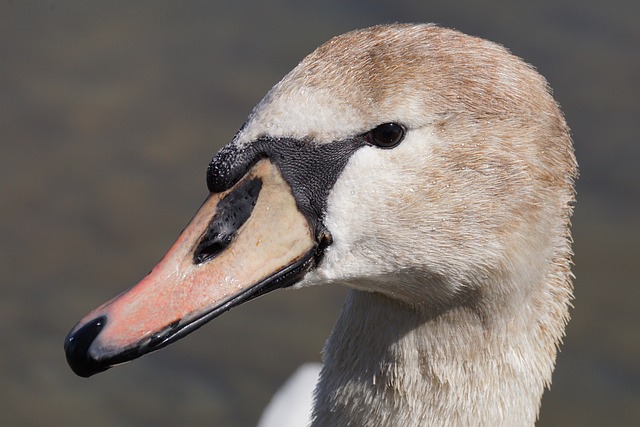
{"x": 408, "y": 160}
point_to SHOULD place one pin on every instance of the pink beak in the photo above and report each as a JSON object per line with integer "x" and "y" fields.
{"x": 243, "y": 242}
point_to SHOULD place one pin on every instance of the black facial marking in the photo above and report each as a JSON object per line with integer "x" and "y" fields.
{"x": 309, "y": 168}
{"x": 232, "y": 211}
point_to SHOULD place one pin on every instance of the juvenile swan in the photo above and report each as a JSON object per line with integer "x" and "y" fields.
{"x": 430, "y": 172}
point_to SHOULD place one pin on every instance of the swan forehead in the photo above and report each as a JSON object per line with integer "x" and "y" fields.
{"x": 302, "y": 113}
{"x": 413, "y": 74}
{"x": 345, "y": 87}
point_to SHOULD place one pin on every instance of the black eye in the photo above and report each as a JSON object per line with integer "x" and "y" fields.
{"x": 387, "y": 135}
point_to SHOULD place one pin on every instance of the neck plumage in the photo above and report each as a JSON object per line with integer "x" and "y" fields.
{"x": 484, "y": 363}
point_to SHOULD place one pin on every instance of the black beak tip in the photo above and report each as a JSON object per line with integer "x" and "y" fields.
{"x": 76, "y": 347}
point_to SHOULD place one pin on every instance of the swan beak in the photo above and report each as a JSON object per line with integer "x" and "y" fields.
{"x": 243, "y": 242}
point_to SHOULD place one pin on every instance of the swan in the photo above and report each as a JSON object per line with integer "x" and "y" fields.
{"x": 430, "y": 172}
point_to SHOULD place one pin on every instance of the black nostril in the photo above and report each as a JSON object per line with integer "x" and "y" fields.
{"x": 211, "y": 245}
{"x": 77, "y": 344}
{"x": 232, "y": 211}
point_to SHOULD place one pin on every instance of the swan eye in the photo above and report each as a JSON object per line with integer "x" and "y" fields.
{"x": 387, "y": 135}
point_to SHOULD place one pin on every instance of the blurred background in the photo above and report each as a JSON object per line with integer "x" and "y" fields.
{"x": 109, "y": 114}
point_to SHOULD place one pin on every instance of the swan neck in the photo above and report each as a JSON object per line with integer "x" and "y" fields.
{"x": 387, "y": 363}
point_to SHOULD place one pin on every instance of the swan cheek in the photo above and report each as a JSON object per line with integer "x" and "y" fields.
{"x": 363, "y": 210}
